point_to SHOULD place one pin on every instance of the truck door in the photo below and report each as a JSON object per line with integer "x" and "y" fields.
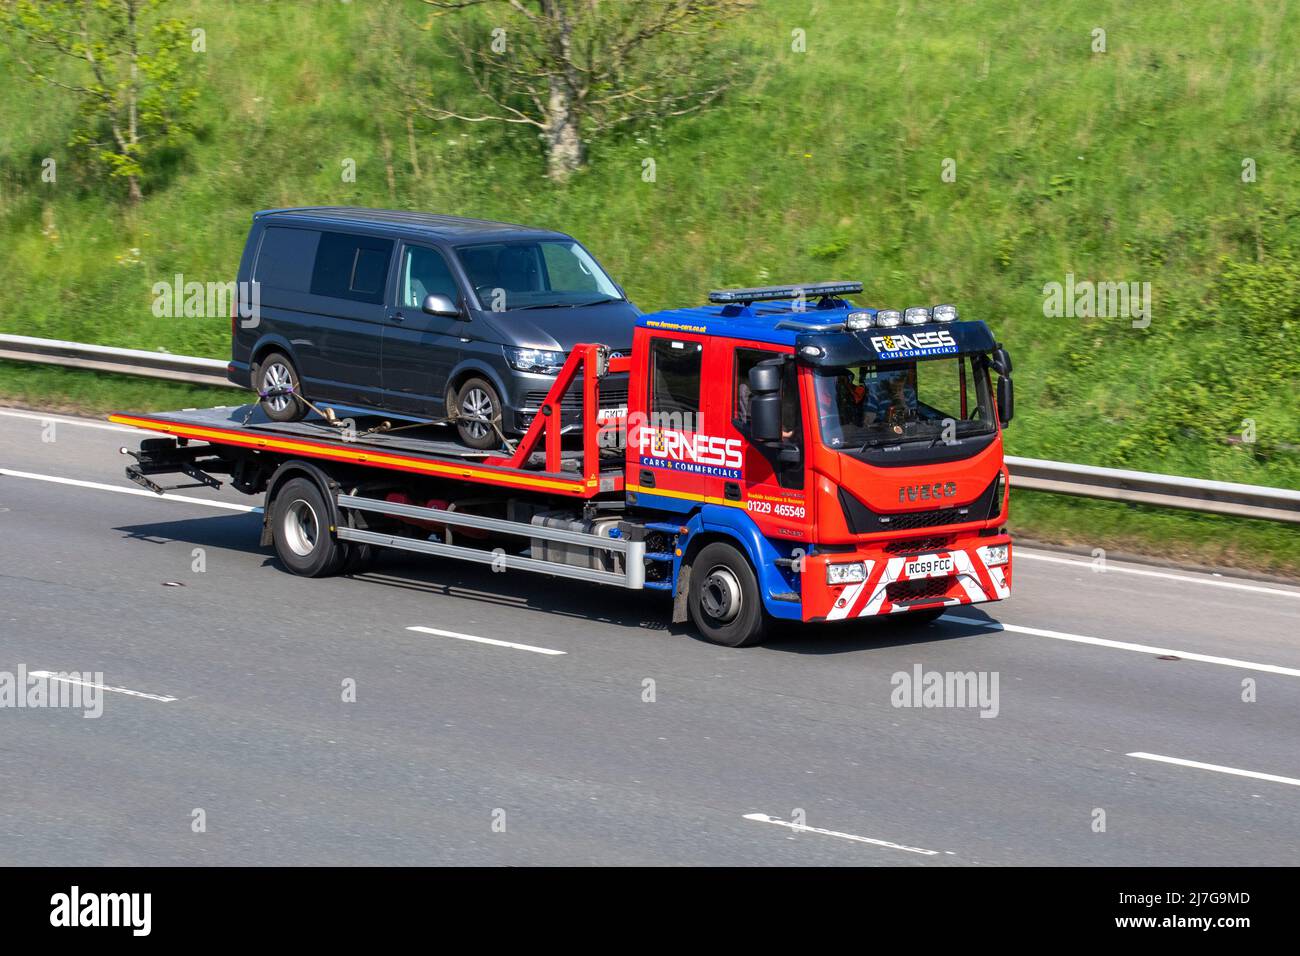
{"x": 668, "y": 455}
{"x": 773, "y": 476}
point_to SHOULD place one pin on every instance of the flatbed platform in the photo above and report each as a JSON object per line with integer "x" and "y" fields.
{"x": 423, "y": 449}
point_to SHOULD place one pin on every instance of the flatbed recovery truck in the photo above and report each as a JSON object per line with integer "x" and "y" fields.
{"x": 778, "y": 458}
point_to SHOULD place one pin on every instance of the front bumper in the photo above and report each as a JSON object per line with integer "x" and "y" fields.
{"x": 896, "y": 582}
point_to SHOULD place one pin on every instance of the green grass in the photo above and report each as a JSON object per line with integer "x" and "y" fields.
{"x": 1116, "y": 166}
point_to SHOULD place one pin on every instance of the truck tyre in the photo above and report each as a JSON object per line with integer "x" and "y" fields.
{"x": 724, "y": 600}
{"x": 276, "y": 371}
{"x": 478, "y": 399}
{"x": 301, "y": 530}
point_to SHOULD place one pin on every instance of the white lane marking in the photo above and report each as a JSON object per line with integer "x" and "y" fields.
{"x": 186, "y": 499}
{"x": 80, "y": 422}
{"x": 1125, "y": 646}
{"x": 485, "y": 640}
{"x": 1206, "y": 579}
{"x": 1197, "y": 765}
{"x": 800, "y": 828}
{"x": 50, "y": 675}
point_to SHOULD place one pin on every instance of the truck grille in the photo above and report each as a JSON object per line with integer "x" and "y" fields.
{"x": 915, "y": 545}
{"x": 862, "y": 520}
{"x": 922, "y": 589}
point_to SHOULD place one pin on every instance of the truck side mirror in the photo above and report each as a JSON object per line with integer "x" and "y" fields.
{"x": 765, "y": 401}
{"x": 1006, "y": 400}
{"x": 440, "y": 305}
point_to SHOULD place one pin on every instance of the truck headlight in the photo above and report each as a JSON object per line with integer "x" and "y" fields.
{"x": 540, "y": 361}
{"x": 846, "y": 573}
{"x": 995, "y": 554}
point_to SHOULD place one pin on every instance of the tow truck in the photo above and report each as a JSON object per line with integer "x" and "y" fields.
{"x": 785, "y": 455}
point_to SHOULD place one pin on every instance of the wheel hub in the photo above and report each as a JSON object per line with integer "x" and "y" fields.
{"x": 277, "y": 376}
{"x": 301, "y": 528}
{"x": 721, "y": 595}
{"x": 477, "y": 405}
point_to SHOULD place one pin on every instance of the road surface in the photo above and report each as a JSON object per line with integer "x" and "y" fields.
{"x": 1142, "y": 715}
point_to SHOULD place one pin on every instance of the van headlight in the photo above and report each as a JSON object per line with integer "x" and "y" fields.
{"x": 540, "y": 361}
{"x": 846, "y": 572}
{"x": 995, "y": 554}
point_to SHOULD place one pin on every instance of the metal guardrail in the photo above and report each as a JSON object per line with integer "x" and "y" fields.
{"x": 104, "y": 358}
{"x": 1031, "y": 474}
{"x": 1148, "y": 488}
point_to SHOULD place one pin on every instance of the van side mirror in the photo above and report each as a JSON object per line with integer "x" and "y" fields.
{"x": 765, "y": 401}
{"x": 440, "y": 305}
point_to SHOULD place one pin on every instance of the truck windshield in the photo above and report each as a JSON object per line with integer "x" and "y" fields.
{"x": 540, "y": 274}
{"x": 889, "y": 403}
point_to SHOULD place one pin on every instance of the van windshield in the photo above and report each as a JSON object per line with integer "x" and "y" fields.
{"x": 535, "y": 274}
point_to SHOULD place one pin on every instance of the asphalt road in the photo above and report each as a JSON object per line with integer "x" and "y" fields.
{"x": 461, "y": 752}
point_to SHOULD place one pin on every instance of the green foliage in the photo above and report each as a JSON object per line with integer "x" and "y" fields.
{"x": 129, "y": 70}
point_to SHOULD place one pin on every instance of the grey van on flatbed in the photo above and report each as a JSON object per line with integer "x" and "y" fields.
{"x": 419, "y": 316}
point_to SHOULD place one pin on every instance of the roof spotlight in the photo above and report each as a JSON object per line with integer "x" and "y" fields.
{"x": 888, "y": 318}
{"x": 944, "y": 313}
{"x": 916, "y": 315}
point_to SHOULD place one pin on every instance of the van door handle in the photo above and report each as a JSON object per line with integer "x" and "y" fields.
{"x": 398, "y": 317}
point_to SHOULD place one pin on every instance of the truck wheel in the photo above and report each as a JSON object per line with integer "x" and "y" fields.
{"x": 277, "y": 371}
{"x": 300, "y": 527}
{"x": 478, "y": 399}
{"x": 724, "y": 601}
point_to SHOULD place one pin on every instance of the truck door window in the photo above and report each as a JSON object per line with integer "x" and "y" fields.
{"x": 791, "y": 419}
{"x": 789, "y": 474}
{"x": 675, "y": 384}
{"x": 425, "y": 272}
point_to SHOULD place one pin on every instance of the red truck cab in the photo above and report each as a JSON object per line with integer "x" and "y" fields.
{"x": 855, "y": 454}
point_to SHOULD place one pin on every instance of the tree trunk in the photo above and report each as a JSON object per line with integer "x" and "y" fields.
{"x": 133, "y": 190}
{"x": 565, "y": 151}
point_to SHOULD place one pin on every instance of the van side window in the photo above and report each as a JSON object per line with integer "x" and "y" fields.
{"x": 285, "y": 258}
{"x": 425, "y": 272}
{"x": 675, "y": 369}
{"x": 351, "y": 267}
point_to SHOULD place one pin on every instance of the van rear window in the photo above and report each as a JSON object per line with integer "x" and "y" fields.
{"x": 351, "y": 267}
{"x": 285, "y": 258}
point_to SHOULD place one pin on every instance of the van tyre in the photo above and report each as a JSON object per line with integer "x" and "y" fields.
{"x": 300, "y": 528}
{"x": 476, "y": 400}
{"x": 276, "y": 371}
{"x": 724, "y": 600}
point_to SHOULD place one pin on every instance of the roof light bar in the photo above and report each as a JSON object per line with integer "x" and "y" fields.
{"x": 769, "y": 293}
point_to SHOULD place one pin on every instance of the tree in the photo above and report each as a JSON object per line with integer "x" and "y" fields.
{"x": 575, "y": 69}
{"x": 132, "y": 89}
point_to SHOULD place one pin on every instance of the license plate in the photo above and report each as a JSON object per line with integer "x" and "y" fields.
{"x": 610, "y": 414}
{"x": 928, "y": 566}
